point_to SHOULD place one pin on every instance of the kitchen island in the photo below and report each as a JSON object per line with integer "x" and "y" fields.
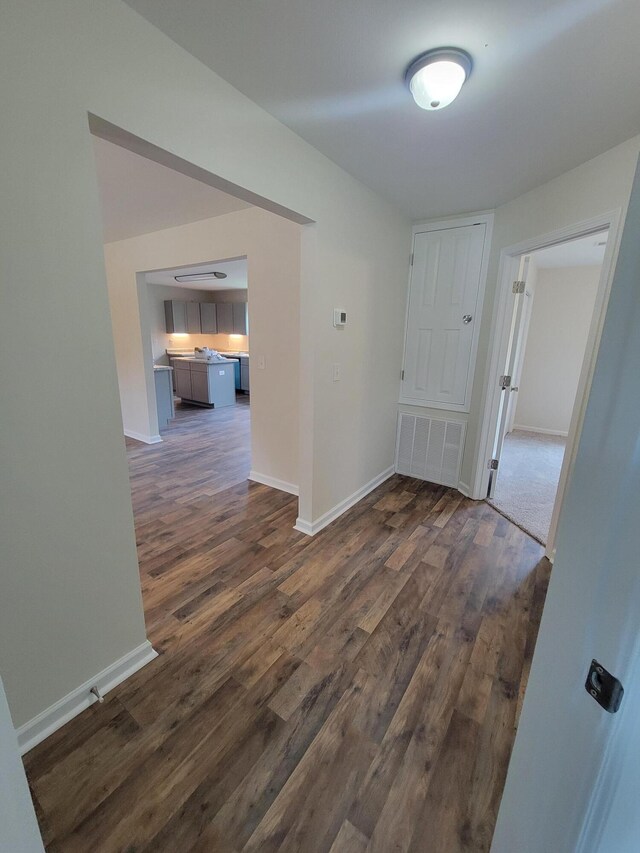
{"x": 205, "y": 383}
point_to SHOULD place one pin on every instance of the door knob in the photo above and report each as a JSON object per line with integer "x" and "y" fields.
{"x": 466, "y": 319}
{"x": 514, "y": 387}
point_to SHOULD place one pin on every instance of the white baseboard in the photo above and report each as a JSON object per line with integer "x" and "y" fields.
{"x": 304, "y": 526}
{"x": 291, "y": 488}
{"x": 51, "y": 719}
{"x": 146, "y": 439}
{"x": 313, "y": 527}
{"x": 564, "y": 434}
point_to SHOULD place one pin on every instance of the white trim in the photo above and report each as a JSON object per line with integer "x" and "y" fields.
{"x": 464, "y": 489}
{"x": 304, "y": 526}
{"x": 52, "y": 718}
{"x": 542, "y": 431}
{"x": 313, "y": 527}
{"x": 498, "y": 341}
{"x": 266, "y": 480}
{"x": 486, "y": 218}
{"x": 138, "y": 436}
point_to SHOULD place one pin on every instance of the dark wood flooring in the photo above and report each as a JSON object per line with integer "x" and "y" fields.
{"x": 355, "y": 691}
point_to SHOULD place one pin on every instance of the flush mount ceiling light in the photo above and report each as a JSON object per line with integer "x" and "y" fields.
{"x": 436, "y": 77}
{"x": 200, "y": 276}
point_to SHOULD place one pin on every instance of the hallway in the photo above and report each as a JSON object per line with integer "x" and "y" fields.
{"x": 353, "y": 691}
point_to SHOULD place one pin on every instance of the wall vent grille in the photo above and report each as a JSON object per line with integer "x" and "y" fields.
{"x": 430, "y": 448}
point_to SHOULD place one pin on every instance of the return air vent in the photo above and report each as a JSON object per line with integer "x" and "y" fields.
{"x": 430, "y": 449}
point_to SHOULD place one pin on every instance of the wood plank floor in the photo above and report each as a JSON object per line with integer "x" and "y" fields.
{"x": 355, "y": 691}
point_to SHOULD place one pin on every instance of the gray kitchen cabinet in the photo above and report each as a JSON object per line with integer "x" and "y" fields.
{"x": 208, "y": 318}
{"x": 239, "y": 316}
{"x": 244, "y": 373}
{"x": 221, "y": 384}
{"x": 182, "y": 375}
{"x": 175, "y": 316}
{"x": 224, "y": 313}
{"x": 164, "y": 395}
{"x": 193, "y": 318}
{"x": 199, "y": 382}
{"x": 172, "y": 362}
{"x": 207, "y": 383}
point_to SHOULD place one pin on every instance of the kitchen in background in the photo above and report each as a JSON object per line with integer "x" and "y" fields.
{"x": 199, "y": 336}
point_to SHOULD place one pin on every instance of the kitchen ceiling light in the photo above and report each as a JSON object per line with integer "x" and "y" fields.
{"x": 436, "y": 77}
{"x": 200, "y": 276}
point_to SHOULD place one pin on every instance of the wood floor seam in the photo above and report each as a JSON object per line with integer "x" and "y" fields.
{"x": 353, "y": 692}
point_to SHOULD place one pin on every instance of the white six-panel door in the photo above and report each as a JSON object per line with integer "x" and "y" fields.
{"x": 442, "y": 315}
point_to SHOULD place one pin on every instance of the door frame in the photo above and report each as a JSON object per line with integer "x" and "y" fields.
{"x": 521, "y": 341}
{"x": 508, "y": 269}
{"x": 484, "y": 217}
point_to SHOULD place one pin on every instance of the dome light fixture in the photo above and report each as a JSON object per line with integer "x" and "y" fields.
{"x": 436, "y": 77}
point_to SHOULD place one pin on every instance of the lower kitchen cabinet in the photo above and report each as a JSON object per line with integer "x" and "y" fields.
{"x": 244, "y": 373}
{"x": 164, "y": 395}
{"x": 208, "y": 383}
{"x": 182, "y": 377}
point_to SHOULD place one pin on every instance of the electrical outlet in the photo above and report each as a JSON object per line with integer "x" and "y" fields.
{"x": 261, "y": 362}
{"x": 336, "y": 373}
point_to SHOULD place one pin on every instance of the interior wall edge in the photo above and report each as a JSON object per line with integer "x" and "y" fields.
{"x": 34, "y": 731}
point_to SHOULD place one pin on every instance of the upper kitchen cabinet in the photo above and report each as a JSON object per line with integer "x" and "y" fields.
{"x": 224, "y": 312}
{"x": 239, "y": 317}
{"x": 193, "y": 318}
{"x": 208, "y": 318}
{"x": 175, "y": 315}
{"x": 182, "y": 317}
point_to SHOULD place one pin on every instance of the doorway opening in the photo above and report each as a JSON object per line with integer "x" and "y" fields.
{"x": 199, "y": 329}
{"x": 552, "y": 317}
{"x": 549, "y": 314}
{"x": 199, "y": 281}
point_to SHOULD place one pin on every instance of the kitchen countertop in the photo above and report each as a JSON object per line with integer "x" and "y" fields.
{"x": 204, "y": 360}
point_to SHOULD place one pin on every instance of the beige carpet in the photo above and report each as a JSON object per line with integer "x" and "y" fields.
{"x": 528, "y": 480}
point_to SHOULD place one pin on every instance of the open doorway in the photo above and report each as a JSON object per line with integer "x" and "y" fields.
{"x": 199, "y": 282}
{"x": 550, "y": 346}
{"x": 199, "y": 329}
{"x": 199, "y": 324}
{"x": 189, "y": 268}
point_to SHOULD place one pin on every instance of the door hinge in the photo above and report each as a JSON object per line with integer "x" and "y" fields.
{"x": 402, "y": 375}
{"x": 519, "y": 286}
{"x": 504, "y": 382}
{"x": 492, "y": 464}
{"x": 411, "y": 259}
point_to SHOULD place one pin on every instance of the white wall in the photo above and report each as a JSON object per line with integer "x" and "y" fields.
{"x": 600, "y": 185}
{"x": 272, "y": 247}
{"x": 70, "y": 602}
{"x": 560, "y": 320}
{"x": 591, "y": 611}
{"x": 161, "y": 340}
{"x": 19, "y": 831}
